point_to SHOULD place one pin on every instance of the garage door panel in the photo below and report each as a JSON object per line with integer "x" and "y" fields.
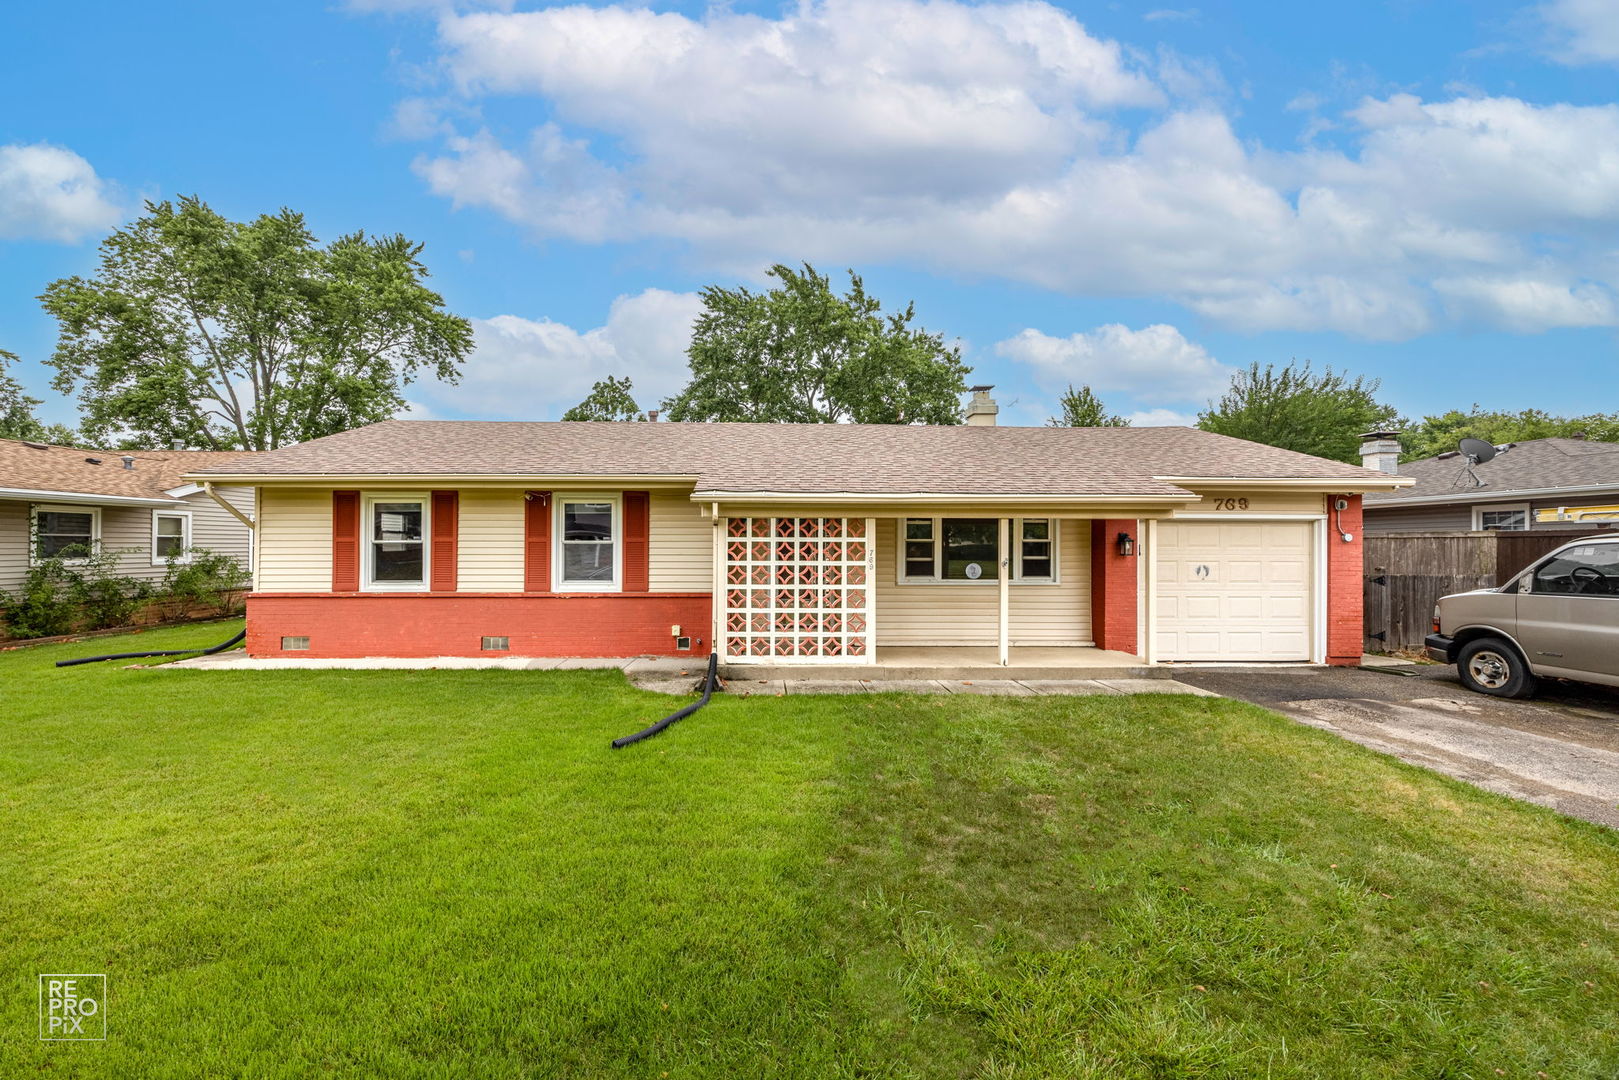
{"x": 1235, "y": 590}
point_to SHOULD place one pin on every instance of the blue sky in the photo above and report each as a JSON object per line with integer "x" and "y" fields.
{"x": 1138, "y": 197}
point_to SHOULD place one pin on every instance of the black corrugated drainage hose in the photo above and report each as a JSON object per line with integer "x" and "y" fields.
{"x": 709, "y": 682}
{"x": 221, "y": 647}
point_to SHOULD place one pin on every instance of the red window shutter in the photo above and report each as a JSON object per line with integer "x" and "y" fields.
{"x": 446, "y": 523}
{"x": 637, "y": 541}
{"x": 345, "y": 541}
{"x": 537, "y": 541}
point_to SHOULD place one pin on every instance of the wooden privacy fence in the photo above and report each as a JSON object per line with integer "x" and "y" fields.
{"x": 1407, "y": 572}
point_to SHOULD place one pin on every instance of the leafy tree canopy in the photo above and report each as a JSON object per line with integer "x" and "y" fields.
{"x": 1294, "y": 407}
{"x": 1437, "y": 434}
{"x": 609, "y": 399}
{"x": 800, "y": 353}
{"x": 225, "y": 334}
{"x": 17, "y": 418}
{"x": 1082, "y": 408}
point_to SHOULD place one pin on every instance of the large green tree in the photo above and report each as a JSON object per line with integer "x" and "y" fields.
{"x": 225, "y": 334}
{"x": 801, "y": 353}
{"x": 1322, "y": 413}
{"x": 17, "y": 417}
{"x": 1082, "y": 408}
{"x": 609, "y": 399}
{"x": 1438, "y": 434}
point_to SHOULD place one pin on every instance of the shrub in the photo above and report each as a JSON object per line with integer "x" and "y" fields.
{"x": 60, "y": 596}
{"x": 206, "y": 577}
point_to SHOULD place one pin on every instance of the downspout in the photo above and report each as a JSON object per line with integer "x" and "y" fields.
{"x": 208, "y": 489}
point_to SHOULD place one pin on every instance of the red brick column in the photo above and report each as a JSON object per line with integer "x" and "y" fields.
{"x": 1113, "y": 585}
{"x": 1346, "y": 584}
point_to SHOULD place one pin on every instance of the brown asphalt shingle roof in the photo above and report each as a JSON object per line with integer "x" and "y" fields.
{"x": 32, "y": 467}
{"x": 800, "y": 458}
{"x": 1536, "y": 465}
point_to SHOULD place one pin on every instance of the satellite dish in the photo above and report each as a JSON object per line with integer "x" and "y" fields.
{"x": 1476, "y": 451}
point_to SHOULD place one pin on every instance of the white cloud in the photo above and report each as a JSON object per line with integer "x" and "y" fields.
{"x": 1004, "y": 139}
{"x": 50, "y": 193}
{"x": 1154, "y": 364}
{"x": 1585, "y": 31}
{"x": 536, "y": 368}
{"x": 1172, "y": 15}
{"x": 1161, "y": 418}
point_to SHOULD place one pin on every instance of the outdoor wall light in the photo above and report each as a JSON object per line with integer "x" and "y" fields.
{"x": 1127, "y": 544}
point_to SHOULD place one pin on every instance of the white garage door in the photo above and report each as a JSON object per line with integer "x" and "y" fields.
{"x": 1235, "y": 590}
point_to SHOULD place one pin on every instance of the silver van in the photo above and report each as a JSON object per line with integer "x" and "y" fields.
{"x": 1559, "y": 619}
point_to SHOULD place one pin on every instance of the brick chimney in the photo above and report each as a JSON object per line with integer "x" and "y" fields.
{"x": 1380, "y": 450}
{"x": 981, "y": 409}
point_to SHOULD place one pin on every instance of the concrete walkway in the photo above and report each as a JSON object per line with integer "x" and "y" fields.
{"x": 674, "y": 675}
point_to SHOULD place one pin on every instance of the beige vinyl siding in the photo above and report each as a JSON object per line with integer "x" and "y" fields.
{"x": 295, "y": 540}
{"x": 13, "y": 544}
{"x": 968, "y": 614}
{"x": 681, "y": 547}
{"x": 127, "y": 531}
{"x": 490, "y": 545}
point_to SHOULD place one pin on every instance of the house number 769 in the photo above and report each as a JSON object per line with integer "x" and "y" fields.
{"x": 1231, "y": 504}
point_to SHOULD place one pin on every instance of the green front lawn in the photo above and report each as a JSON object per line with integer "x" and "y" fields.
{"x": 449, "y": 874}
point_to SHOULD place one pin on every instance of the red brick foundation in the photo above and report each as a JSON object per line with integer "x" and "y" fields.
{"x": 1114, "y": 588}
{"x": 350, "y": 625}
{"x": 1345, "y": 583}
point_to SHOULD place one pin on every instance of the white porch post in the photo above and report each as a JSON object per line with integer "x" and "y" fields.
{"x": 1149, "y": 651}
{"x": 717, "y": 605}
{"x": 1004, "y": 581}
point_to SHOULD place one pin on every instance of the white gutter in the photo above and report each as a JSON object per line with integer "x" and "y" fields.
{"x": 81, "y": 498}
{"x": 441, "y": 479}
{"x": 1489, "y": 494}
{"x": 1318, "y": 483}
{"x": 226, "y": 506}
{"x": 912, "y": 498}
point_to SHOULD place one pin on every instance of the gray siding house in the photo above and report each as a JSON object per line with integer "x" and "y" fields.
{"x": 58, "y": 498}
{"x": 1543, "y": 484}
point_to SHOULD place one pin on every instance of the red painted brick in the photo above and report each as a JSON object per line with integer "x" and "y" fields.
{"x": 452, "y": 624}
{"x": 1345, "y": 583}
{"x": 1114, "y": 588}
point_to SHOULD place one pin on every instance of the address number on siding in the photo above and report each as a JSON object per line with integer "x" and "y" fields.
{"x": 1231, "y": 504}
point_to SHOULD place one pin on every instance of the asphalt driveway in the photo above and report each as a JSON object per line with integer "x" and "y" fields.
{"x": 1560, "y": 749}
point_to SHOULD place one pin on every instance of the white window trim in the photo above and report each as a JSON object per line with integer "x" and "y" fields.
{"x": 1015, "y": 539}
{"x": 185, "y": 536}
{"x": 368, "y": 501}
{"x": 560, "y": 499}
{"x": 33, "y": 528}
{"x": 1479, "y": 510}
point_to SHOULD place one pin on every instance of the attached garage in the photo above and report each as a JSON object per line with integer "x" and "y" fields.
{"x": 1236, "y": 590}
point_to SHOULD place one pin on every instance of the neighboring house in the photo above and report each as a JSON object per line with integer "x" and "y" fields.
{"x": 1542, "y": 484}
{"x": 56, "y": 499}
{"x": 805, "y": 544}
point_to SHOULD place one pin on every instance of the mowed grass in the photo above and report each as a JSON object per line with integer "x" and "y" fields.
{"x": 449, "y": 874}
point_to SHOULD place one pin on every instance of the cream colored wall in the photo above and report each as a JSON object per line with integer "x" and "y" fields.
{"x": 968, "y": 614}
{"x": 682, "y": 545}
{"x": 490, "y": 547}
{"x": 1258, "y": 502}
{"x": 14, "y": 531}
{"x": 295, "y": 540}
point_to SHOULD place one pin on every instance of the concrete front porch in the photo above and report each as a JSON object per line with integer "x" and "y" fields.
{"x": 907, "y": 662}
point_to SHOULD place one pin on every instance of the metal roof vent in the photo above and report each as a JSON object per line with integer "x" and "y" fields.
{"x": 129, "y": 461}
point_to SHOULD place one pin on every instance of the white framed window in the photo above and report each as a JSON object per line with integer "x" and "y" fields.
{"x": 1502, "y": 517}
{"x": 588, "y": 550}
{"x": 71, "y": 533}
{"x": 171, "y": 535}
{"x": 966, "y": 551}
{"x": 394, "y": 549}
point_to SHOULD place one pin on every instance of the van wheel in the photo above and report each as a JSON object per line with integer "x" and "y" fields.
{"x": 1491, "y": 666}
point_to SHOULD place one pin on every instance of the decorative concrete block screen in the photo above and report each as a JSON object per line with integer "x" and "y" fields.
{"x": 797, "y": 589}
